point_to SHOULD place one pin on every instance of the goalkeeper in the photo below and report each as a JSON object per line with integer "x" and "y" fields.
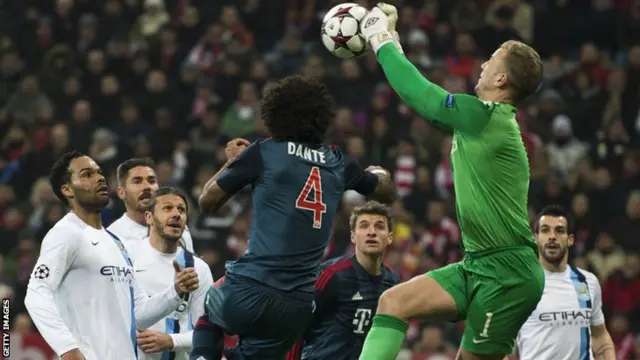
{"x": 500, "y": 281}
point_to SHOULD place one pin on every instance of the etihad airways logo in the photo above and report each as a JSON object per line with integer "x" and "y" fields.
{"x": 580, "y": 318}
{"x": 119, "y": 274}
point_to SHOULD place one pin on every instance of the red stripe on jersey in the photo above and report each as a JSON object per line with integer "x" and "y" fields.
{"x": 219, "y": 282}
{"x": 296, "y": 351}
{"x": 203, "y": 321}
{"x": 331, "y": 270}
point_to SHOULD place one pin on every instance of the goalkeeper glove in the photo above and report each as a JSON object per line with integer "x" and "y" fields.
{"x": 375, "y": 29}
{"x": 392, "y": 16}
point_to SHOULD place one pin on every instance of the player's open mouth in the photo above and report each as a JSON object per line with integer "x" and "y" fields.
{"x": 553, "y": 247}
{"x": 371, "y": 242}
{"x": 174, "y": 225}
{"x": 144, "y": 196}
{"x": 103, "y": 190}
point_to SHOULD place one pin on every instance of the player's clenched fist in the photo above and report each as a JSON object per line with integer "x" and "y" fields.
{"x": 235, "y": 147}
{"x": 392, "y": 15}
{"x": 186, "y": 279}
{"x": 379, "y": 27}
{"x": 152, "y": 341}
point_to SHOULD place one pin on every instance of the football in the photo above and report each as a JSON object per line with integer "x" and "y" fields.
{"x": 341, "y": 30}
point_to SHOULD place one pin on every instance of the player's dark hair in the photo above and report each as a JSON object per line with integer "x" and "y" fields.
{"x": 555, "y": 211}
{"x": 125, "y": 167}
{"x": 370, "y": 208}
{"x": 298, "y": 109}
{"x": 60, "y": 174}
{"x": 166, "y": 190}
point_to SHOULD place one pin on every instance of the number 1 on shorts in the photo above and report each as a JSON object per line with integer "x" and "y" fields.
{"x": 485, "y": 330}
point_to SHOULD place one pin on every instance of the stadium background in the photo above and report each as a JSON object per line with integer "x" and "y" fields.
{"x": 175, "y": 79}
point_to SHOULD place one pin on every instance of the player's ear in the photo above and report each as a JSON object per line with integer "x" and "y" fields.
{"x": 120, "y": 192}
{"x": 67, "y": 191}
{"x": 390, "y": 239}
{"x": 571, "y": 240}
{"x": 501, "y": 80}
{"x": 148, "y": 218}
{"x": 353, "y": 237}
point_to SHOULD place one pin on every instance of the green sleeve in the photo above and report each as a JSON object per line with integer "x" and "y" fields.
{"x": 461, "y": 112}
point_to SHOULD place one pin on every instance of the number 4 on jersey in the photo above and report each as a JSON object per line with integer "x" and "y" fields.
{"x": 313, "y": 185}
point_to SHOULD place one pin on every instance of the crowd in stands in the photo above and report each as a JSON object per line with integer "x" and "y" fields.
{"x": 174, "y": 80}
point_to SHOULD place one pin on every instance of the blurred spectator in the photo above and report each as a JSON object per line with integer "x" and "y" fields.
{"x": 621, "y": 290}
{"x": 607, "y": 257}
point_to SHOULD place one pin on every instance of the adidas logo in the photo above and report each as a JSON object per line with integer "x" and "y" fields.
{"x": 357, "y": 296}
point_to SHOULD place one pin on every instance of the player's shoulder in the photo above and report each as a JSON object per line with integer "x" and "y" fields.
{"x": 502, "y": 113}
{"x": 331, "y": 271}
{"x": 264, "y": 143}
{"x": 118, "y": 225}
{"x": 125, "y": 229}
{"x": 390, "y": 276}
{"x": 254, "y": 152}
{"x": 69, "y": 228}
{"x": 336, "y": 266}
{"x": 591, "y": 278}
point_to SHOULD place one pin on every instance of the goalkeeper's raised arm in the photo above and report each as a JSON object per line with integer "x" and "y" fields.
{"x": 512, "y": 74}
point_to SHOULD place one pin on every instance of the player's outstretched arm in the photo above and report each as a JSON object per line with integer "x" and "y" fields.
{"x": 244, "y": 165}
{"x": 461, "y": 112}
{"x": 57, "y": 254}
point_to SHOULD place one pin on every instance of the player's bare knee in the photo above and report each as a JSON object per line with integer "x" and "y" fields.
{"x": 390, "y": 303}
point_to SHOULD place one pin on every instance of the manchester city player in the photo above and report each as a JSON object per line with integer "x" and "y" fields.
{"x": 568, "y": 322}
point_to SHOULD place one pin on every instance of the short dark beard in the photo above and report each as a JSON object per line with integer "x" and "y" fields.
{"x": 89, "y": 201}
{"x": 133, "y": 203}
{"x": 160, "y": 230}
{"x": 554, "y": 260}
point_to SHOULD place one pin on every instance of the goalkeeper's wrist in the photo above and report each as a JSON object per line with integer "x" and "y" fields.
{"x": 396, "y": 42}
{"x": 380, "y": 39}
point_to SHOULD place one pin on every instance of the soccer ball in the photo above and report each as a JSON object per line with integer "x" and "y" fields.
{"x": 341, "y": 31}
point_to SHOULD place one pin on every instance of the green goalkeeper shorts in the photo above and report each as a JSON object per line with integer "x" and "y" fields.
{"x": 495, "y": 291}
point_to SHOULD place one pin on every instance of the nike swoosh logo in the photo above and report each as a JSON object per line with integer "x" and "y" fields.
{"x": 475, "y": 341}
{"x": 140, "y": 270}
{"x": 94, "y": 243}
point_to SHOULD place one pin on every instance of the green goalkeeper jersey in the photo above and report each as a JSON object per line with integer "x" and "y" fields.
{"x": 489, "y": 161}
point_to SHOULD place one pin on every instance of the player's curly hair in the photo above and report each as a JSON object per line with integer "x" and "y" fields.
{"x": 298, "y": 109}
{"x": 555, "y": 211}
{"x": 60, "y": 175}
